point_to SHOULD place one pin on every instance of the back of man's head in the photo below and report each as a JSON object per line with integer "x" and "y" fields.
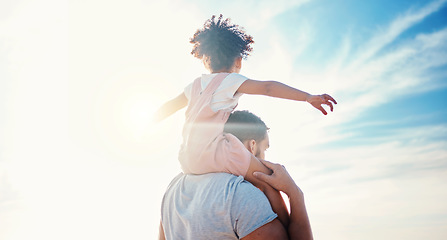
{"x": 246, "y": 126}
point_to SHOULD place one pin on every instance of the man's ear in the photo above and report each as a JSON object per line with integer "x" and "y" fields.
{"x": 252, "y": 146}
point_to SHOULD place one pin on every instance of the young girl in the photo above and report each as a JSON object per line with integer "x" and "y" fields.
{"x": 212, "y": 97}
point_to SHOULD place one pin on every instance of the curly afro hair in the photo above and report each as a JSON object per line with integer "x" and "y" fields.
{"x": 220, "y": 42}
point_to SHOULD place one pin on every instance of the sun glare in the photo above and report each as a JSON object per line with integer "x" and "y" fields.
{"x": 123, "y": 109}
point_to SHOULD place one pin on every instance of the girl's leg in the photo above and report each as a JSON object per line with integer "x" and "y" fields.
{"x": 274, "y": 196}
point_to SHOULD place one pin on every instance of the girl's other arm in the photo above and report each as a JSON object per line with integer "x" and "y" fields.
{"x": 280, "y": 90}
{"x": 171, "y": 107}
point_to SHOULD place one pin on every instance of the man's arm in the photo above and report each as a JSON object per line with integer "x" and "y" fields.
{"x": 161, "y": 232}
{"x": 273, "y": 195}
{"x": 272, "y": 230}
{"x": 299, "y": 225}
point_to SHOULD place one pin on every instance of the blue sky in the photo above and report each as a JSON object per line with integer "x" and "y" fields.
{"x": 80, "y": 80}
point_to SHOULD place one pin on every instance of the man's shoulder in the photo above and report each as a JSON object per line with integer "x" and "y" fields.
{"x": 204, "y": 181}
{"x": 238, "y": 192}
{"x": 241, "y": 207}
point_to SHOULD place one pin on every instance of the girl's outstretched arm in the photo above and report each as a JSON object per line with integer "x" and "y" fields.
{"x": 171, "y": 107}
{"x": 280, "y": 90}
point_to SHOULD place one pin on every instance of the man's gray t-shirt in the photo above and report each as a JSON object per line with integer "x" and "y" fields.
{"x": 213, "y": 206}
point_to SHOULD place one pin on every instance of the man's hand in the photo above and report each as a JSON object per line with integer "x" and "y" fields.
{"x": 318, "y": 100}
{"x": 299, "y": 227}
{"x": 279, "y": 179}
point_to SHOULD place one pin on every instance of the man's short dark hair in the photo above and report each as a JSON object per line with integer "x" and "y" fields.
{"x": 246, "y": 126}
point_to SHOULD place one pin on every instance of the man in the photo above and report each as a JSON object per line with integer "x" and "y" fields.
{"x": 224, "y": 206}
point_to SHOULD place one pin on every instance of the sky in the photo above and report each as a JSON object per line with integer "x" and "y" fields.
{"x": 80, "y": 80}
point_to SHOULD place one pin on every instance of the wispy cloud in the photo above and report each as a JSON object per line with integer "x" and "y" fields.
{"x": 397, "y": 182}
{"x": 371, "y": 77}
{"x": 267, "y": 10}
{"x": 374, "y": 81}
{"x": 393, "y": 30}
{"x": 361, "y": 74}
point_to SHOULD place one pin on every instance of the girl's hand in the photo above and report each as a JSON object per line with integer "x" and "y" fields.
{"x": 318, "y": 100}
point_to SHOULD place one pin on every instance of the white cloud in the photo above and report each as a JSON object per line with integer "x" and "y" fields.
{"x": 266, "y": 10}
{"x": 397, "y": 27}
{"x": 367, "y": 79}
{"x": 358, "y": 189}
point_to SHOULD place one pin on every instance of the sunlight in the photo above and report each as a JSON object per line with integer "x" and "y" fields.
{"x": 124, "y": 107}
